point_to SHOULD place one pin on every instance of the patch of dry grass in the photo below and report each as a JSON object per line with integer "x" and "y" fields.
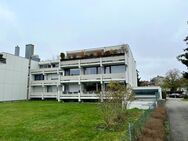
{"x": 154, "y": 129}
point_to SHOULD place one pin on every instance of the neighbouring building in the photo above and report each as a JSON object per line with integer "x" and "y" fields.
{"x": 14, "y": 76}
{"x": 83, "y": 74}
{"x": 29, "y": 50}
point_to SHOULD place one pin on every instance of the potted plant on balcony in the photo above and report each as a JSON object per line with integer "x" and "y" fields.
{"x": 62, "y": 55}
{"x": 98, "y": 53}
{"x": 82, "y": 55}
{"x": 107, "y": 53}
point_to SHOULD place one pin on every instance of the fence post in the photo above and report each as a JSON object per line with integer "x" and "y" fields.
{"x": 130, "y": 136}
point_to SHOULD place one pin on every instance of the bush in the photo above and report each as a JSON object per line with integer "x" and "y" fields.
{"x": 62, "y": 55}
{"x": 185, "y": 96}
{"x": 113, "y": 108}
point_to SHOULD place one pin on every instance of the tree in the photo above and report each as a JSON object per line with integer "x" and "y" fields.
{"x": 62, "y": 55}
{"x": 115, "y": 104}
{"x": 138, "y": 78}
{"x": 172, "y": 80}
{"x": 157, "y": 81}
{"x": 183, "y": 58}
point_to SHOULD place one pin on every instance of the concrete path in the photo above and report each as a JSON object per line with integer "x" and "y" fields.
{"x": 178, "y": 116}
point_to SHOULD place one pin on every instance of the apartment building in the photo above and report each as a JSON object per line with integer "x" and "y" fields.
{"x": 83, "y": 74}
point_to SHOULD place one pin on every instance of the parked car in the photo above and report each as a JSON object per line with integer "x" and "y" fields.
{"x": 175, "y": 95}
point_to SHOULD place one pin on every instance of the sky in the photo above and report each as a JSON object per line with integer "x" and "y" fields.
{"x": 154, "y": 30}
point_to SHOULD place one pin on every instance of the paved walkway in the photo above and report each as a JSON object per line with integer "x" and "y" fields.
{"x": 178, "y": 116}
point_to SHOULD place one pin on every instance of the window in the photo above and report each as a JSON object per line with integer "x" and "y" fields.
{"x": 118, "y": 69}
{"x": 38, "y": 77}
{"x": 72, "y": 72}
{"x": 107, "y": 69}
{"x": 92, "y": 70}
{"x": 114, "y": 69}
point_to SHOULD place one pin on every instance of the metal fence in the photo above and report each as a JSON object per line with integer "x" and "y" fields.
{"x": 134, "y": 129}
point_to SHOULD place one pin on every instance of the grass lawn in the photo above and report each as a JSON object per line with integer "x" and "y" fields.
{"x": 53, "y": 121}
{"x": 184, "y": 99}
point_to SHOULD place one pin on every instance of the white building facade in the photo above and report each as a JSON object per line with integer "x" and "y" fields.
{"x": 14, "y": 77}
{"x": 83, "y": 74}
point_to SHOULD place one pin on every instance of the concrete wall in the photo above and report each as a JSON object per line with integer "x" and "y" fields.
{"x": 13, "y": 77}
{"x": 131, "y": 69}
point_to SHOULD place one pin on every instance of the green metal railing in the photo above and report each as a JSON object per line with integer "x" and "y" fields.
{"x": 135, "y": 128}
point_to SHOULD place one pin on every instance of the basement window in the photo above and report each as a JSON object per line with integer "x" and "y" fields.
{"x": 2, "y": 60}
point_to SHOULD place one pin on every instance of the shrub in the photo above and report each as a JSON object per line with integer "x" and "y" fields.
{"x": 114, "y": 106}
{"x": 62, "y": 55}
{"x": 185, "y": 96}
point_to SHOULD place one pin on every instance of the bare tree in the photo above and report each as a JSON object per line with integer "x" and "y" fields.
{"x": 115, "y": 104}
{"x": 172, "y": 80}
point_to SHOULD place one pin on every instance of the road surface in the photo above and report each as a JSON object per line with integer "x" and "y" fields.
{"x": 178, "y": 116}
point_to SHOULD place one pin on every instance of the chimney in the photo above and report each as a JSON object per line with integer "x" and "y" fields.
{"x": 17, "y": 51}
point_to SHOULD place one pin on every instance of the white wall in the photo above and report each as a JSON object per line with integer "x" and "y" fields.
{"x": 131, "y": 69}
{"x": 13, "y": 77}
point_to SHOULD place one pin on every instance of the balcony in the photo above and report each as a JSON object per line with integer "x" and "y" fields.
{"x": 43, "y": 95}
{"x": 91, "y": 77}
{"x": 70, "y": 63}
{"x": 113, "y": 60}
{"x": 36, "y": 95}
{"x": 51, "y": 82}
{"x": 94, "y": 77}
{"x": 120, "y": 59}
{"x": 37, "y": 83}
{"x": 44, "y": 82}
{"x": 69, "y": 95}
{"x": 50, "y": 95}
{"x": 44, "y": 70}
{"x": 90, "y": 95}
{"x": 74, "y": 78}
{"x": 114, "y": 76}
{"x": 92, "y": 61}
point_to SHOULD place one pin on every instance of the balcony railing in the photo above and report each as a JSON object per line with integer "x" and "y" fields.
{"x": 93, "y": 61}
{"x": 114, "y": 59}
{"x": 94, "y": 77}
{"x": 69, "y": 63}
{"x": 35, "y": 83}
{"x": 70, "y": 78}
{"x": 44, "y": 70}
{"x": 114, "y": 76}
{"x": 44, "y": 82}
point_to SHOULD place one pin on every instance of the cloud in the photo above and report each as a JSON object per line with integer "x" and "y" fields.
{"x": 6, "y": 14}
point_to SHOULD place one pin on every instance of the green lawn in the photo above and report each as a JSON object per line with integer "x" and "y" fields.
{"x": 53, "y": 121}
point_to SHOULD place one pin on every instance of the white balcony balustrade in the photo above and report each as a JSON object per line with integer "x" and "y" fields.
{"x": 69, "y": 63}
{"x": 113, "y": 60}
{"x": 74, "y": 78}
{"x": 44, "y": 70}
{"x": 44, "y": 82}
{"x": 114, "y": 76}
{"x": 91, "y": 77}
{"x": 88, "y": 62}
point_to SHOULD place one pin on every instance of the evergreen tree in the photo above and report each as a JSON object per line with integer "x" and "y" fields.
{"x": 183, "y": 58}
